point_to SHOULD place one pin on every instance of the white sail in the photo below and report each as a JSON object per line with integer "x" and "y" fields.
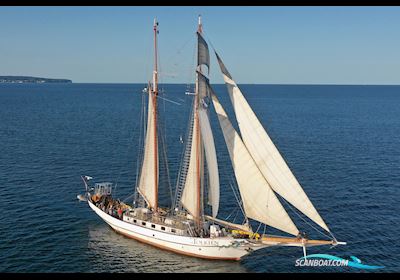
{"x": 259, "y": 201}
{"x": 148, "y": 182}
{"x": 191, "y": 192}
{"x": 266, "y": 155}
{"x": 211, "y": 158}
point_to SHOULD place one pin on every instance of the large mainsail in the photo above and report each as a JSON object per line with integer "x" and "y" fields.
{"x": 202, "y": 140}
{"x": 265, "y": 154}
{"x": 259, "y": 201}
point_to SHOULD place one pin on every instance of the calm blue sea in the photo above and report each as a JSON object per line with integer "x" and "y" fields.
{"x": 342, "y": 143}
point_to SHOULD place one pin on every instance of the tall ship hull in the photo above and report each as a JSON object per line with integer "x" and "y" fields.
{"x": 219, "y": 248}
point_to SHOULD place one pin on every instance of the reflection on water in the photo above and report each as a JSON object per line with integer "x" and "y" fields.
{"x": 113, "y": 252}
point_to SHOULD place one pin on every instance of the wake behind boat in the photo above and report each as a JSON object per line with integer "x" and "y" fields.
{"x": 190, "y": 225}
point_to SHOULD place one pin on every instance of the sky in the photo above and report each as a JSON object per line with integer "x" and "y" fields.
{"x": 261, "y": 45}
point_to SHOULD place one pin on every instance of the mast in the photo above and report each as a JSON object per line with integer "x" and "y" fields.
{"x": 202, "y": 145}
{"x": 155, "y": 93}
{"x": 148, "y": 181}
{"x": 198, "y": 143}
{"x": 155, "y": 72}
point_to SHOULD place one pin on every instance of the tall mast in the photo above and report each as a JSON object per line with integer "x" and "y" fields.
{"x": 154, "y": 97}
{"x": 193, "y": 192}
{"x": 198, "y": 143}
{"x": 155, "y": 72}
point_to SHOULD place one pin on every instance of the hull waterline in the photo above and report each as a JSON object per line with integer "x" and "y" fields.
{"x": 220, "y": 248}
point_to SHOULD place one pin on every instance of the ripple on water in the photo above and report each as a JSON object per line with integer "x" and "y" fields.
{"x": 340, "y": 141}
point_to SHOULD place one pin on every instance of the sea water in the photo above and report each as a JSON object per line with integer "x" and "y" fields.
{"x": 341, "y": 142}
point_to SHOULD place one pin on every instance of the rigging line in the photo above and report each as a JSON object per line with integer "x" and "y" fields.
{"x": 234, "y": 218}
{"x": 233, "y": 211}
{"x": 128, "y": 197}
{"x": 192, "y": 74}
{"x": 163, "y": 131}
{"x": 237, "y": 200}
{"x": 162, "y": 137}
{"x": 258, "y": 227}
{"x": 265, "y": 227}
{"x": 188, "y": 99}
{"x": 184, "y": 151}
{"x": 291, "y": 208}
{"x": 141, "y": 151}
{"x": 169, "y": 100}
{"x": 236, "y": 191}
{"x": 130, "y": 139}
{"x": 142, "y": 132}
{"x": 163, "y": 124}
{"x": 183, "y": 169}
{"x": 178, "y": 52}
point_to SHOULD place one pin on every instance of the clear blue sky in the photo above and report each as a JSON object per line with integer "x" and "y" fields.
{"x": 316, "y": 45}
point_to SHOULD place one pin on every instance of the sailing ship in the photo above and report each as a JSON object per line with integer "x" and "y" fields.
{"x": 261, "y": 174}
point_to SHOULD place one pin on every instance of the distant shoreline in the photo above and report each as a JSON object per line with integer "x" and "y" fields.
{"x": 30, "y": 80}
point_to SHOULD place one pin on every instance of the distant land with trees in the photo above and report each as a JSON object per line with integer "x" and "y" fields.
{"x": 27, "y": 79}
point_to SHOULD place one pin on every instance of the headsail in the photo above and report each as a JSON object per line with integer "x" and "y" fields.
{"x": 265, "y": 154}
{"x": 259, "y": 201}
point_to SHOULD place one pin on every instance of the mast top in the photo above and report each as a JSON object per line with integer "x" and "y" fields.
{"x": 200, "y": 29}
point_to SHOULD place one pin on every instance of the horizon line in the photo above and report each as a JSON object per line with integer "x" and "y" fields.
{"x": 280, "y": 84}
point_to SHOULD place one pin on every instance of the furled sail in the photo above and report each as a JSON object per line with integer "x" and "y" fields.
{"x": 148, "y": 182}
{"x": 259, "y": 201}
{"x": 266, "y": 155}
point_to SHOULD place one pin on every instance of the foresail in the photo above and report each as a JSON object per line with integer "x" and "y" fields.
{"x": 211, "y": 158}
{"x": 259, "y": 201}
{"x": 266, "y": 155}
{"x": 149, "y": 171}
